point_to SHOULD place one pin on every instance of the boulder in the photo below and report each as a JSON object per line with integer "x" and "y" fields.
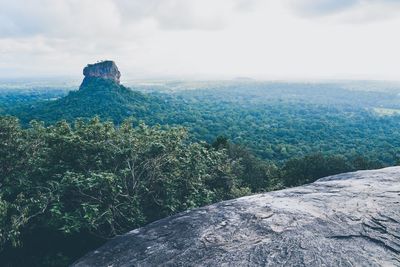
{"x": 104, "y": 69}
{"x": 351, "y": 219}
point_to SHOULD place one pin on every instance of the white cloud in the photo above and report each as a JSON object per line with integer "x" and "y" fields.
{"x": 347, "y": 10}
{"x": 91, "y": 17}
{"x": 321, "y": 7}
{"x": 176, "y": 14}
{"x": 202, "y": 38}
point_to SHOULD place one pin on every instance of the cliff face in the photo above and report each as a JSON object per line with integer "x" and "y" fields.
{"x": 104, "y": 69}
{"x": 351, "y": 219}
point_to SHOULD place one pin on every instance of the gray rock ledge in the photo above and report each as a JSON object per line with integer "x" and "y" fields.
{"x": 351, "y": 219}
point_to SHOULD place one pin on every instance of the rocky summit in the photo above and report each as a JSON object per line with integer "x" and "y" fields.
{"x": 352, "y": 219}
{"x": 104, "y": 69}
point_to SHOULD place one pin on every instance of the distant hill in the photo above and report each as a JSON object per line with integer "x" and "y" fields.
{"x": 275, "y": 120}
{"x": 99, "y": 94}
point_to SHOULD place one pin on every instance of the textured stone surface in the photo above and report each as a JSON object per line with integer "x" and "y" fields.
{"x": 104, "y": 69}
{"x": 351, "y": 219}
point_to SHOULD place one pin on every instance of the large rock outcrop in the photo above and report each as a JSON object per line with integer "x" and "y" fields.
{"x": 104, "y": 69}
{"x": 351, "y": 219}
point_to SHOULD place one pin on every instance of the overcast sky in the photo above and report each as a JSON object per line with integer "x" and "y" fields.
{"x": 265, "y": 39}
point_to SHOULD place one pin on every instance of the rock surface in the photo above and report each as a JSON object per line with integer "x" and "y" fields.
{"x": 351, "y": 219}
{"x": 105, "y": 69}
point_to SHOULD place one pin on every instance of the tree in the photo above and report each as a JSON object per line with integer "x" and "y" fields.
{"x": 95, "y": 179}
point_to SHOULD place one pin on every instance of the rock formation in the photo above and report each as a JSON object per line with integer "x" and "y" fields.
{"x": 105, "y": 69}
{"x": 351, "y": 219}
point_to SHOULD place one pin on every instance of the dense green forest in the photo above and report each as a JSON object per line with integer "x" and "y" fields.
{"x": 66, "y": 188}
{"x": 135, "y": 156}
{"x": 276, "y": 121}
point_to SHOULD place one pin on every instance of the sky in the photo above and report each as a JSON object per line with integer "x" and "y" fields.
{"x": 203, "y": 39}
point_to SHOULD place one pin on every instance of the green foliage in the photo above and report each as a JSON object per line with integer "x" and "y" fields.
{"x": 281, "y": 130}
{"x": 276, "y": 121}
{"x": 256, "y": 174}
{"x": 80, "y": 181}
{"x": 298, "y": 171}
{"x": 96, "y": 97}
{"x": 93, "y": 177}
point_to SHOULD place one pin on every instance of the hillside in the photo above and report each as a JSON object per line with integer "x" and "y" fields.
{"x": 99, "y": 94}
{"x": 350, "y": 219}
{"x": 276, "y": 121}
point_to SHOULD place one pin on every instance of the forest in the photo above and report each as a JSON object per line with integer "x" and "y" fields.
{"x": 97, "y": 162}
{"x": 275, "y": 120}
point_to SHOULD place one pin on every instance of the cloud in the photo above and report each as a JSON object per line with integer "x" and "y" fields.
{"x": 160, "y": 38}
{"x": 321, "y": 7}
{"x": 347, "y": 10}
{"x": 56, "y": 18}
{"x": 82, "y": 17}
{"x": 76, "y": 31}
{"x": 177, "y": 14}
{"x": 246, "y": 5}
